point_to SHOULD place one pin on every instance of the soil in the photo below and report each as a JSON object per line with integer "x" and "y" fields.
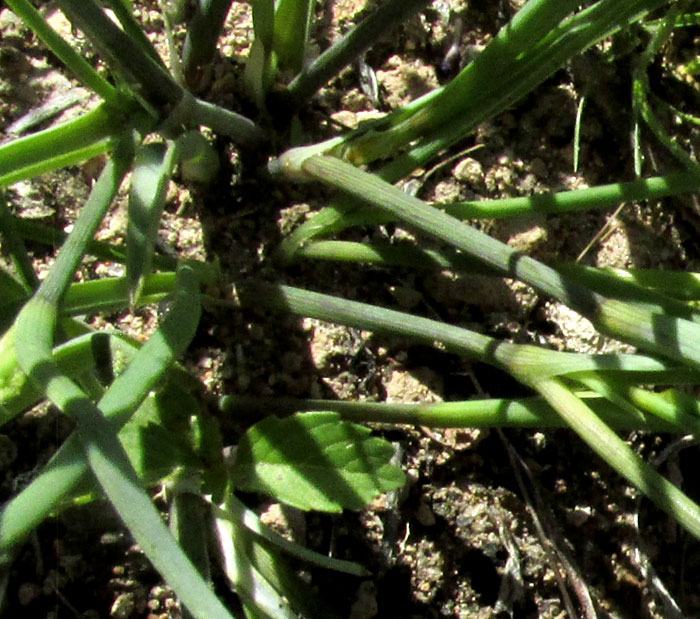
{"x": 491, "y": 524}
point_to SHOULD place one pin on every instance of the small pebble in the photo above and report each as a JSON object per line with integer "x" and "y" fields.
{"x": 469, "y": 171}
{"x": 123, "y": 606}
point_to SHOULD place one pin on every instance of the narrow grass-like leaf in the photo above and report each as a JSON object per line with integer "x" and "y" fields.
{"x": 264, "y": 21}
{"x": 14, "y": 243}
{"x": 601, "y": 196}
{"x": 153, "y": 168}
{"x": 529, "y": 49}
{"x": 255, "y": 591}
{"x": 577, "y": 132}
{"x": 277, "y": 570}
{"x": 74, "y": 357}
{"x": 530, "y": 412}
{"x": 291, "y": 32}
{"x": 238, "y": 512}
{"x": 641, "y": 89}
{"x": 225, "y": 122}
{"x": 123, "y": 12}
{"x": 109, "y": 463}
{"x": 334, "y": 219}
{"x": 346, "y": 212}
{"x": 664, "y": 285}
{"x": 35, "y": 331}
{"x": 202, "y": 34}
{"x": 261, "y": 65}
{"x": 189, "y": 523}
{"x": 115, "y": 474}
{"x": 629, "y": 398}
{"x": 69, "y": 143}
{"x": 620, "y": 456}
{"x": 65, "y": 470}
{"x": 207, "y": 273}
{"x": 682, "y": 21}
{"x": 642, "y": 324}
{"x": 603, "y": 281}
{"x": 72, "y": 59}
{"x": 145, "y": 76}
{"x": 262, "y": 547}
{"x": 111, "y": 294}
{"x": 539, "y": 362}
{"x": 385, "y": 19}
{"x": 479, "y": 96}
{"x": 677, "y": 284}
{"x": 459, "y": 235}
{"x": 315, "y": 461}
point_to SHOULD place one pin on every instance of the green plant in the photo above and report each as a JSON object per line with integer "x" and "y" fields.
{"x": 129, "y": 401}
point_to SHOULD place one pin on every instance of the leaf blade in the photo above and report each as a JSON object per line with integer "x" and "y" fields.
{"x": 149, "y": 183}
{"x": 315, "y": 461}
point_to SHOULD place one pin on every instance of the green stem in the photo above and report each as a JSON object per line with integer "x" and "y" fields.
{"x": 531, "y": 412}
{"x": 384, "y": 20}
{"x": 122, "y": 10}
{"x": 68, "y": 143}
{"x": 515, "y": 358}
{"x": 346, "y": 212}
{"x": 16, "y": 247}
{"x": 612, "y": 283}
{"x": 104, "y": 453}
{"x": 641, "y": 324}
{"x": 109, "y": 461}
{"x": 203, "y": 33}
{"x": 528, "y": 50}
{"x": 207, "y": 273}
{"x": 602, "y": 196}
{"x": 84, "y": 73}
{"x": 145, "y": 76}
{"x": 237, "y": 512}
{"x": 619, "y": 455}
{"x": 291, "y": 32}
{"x": 225, "y": 122}
{"x": 635, "y": 399}
{"x": 67, "y": 468}
{"x": 676, "y": 284}
{"x": 435, "y": 223}
{"x": 105, "y": 188}
{"x": 642, "y": 104}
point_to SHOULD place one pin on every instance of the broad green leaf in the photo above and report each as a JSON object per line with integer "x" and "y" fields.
{"x": 315, "y": 461}
{"x": 154, "y": 451}
{"x": 168, "y": 433}
{"x": 149, "y": 183}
